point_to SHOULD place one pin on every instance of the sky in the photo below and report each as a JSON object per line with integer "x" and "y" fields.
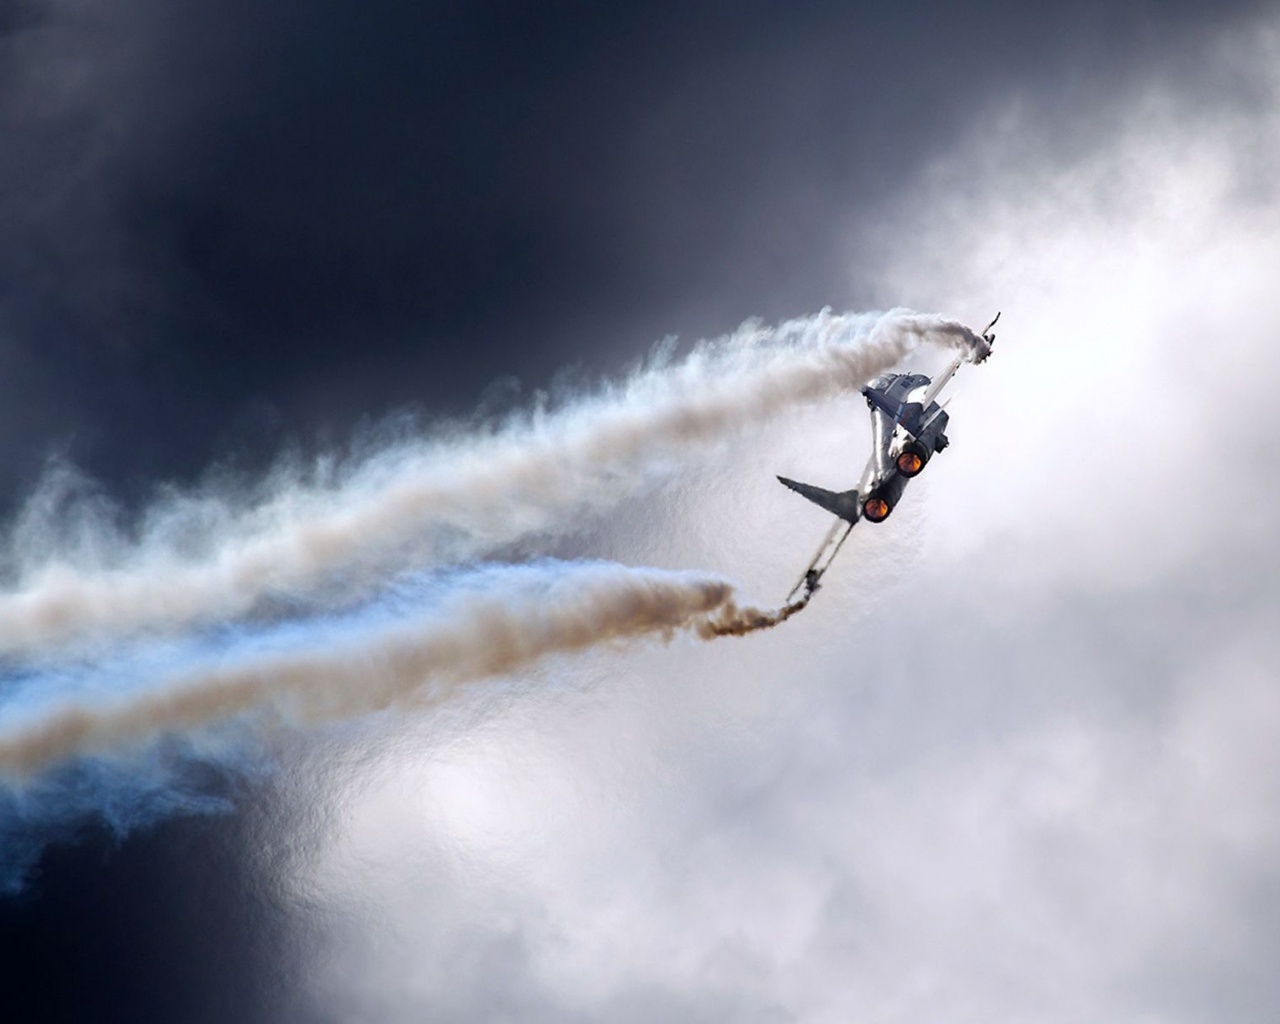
{"x": 1016, "y": 761}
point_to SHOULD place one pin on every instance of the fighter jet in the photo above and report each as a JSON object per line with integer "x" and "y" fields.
{"x": 908, "y": 428}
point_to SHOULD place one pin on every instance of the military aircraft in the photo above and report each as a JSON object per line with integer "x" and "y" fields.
{"x": 908, "y": 427}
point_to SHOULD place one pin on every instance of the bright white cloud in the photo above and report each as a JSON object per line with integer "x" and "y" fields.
{"x": 1017, "y": 764}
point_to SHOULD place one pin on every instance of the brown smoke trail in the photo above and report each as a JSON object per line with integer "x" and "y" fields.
{"x": 445, "y": 499}
{"x": 478, "y": 637}
{"x": 730, "y": 620}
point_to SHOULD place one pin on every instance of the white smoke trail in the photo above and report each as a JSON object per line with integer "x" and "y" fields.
{"x": 442, "y": 498}
{"x": 536, "y": 611}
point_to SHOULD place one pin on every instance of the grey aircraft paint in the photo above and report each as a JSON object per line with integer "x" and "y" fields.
{"x": 908, "y": 427}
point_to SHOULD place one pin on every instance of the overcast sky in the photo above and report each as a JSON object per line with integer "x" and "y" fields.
{"x": 1017, "y": 762}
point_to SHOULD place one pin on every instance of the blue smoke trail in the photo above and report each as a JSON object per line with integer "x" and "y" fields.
{"x": 166, "y": 727}
{"x": 170, "y": 780}
{"x": 174, "y": 775}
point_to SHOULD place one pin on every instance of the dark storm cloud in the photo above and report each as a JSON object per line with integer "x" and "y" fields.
{"x": 17, "y": 15}
{"x": 167, "y": 927}
{"x": 233, "y": 221}
{"x": 325, "y": 211}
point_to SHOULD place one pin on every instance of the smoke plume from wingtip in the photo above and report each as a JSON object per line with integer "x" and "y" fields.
{"x": 446, "y": 498}
{"x": 523, "y": 615}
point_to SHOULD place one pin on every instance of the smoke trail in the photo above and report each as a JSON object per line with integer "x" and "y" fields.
{"x": 533, "y": 612}
{"x": 440, "y": 498}
{"x": 116, "y": 798}
{"x": 731, "y": 620}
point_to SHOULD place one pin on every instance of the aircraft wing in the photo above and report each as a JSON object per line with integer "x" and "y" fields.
{"x": 939, "y": 382}
{"x": 811, "y": 578}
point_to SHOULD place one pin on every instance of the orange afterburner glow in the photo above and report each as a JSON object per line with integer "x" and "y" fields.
{"x": 910, "y": 463}
{"x": 876, "y": 509}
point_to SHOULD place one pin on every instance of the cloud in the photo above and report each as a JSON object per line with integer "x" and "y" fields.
{"x": 1016, "y": 762}
{"x": 222, "y": 196}
{"x": 1023, "y": 772}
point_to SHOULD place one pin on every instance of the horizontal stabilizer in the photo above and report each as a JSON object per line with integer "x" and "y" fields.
{"x": 845, "y": 504}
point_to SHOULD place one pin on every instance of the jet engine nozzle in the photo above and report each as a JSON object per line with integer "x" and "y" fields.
{"x": 911, "y": 460}
{"x": 876, "y": 509}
